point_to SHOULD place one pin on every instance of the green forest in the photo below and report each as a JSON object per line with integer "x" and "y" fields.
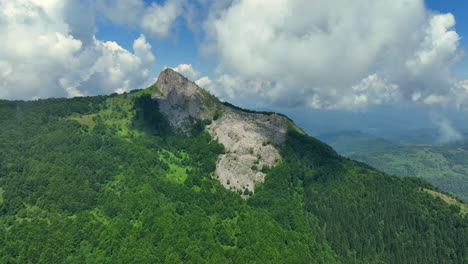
{"x": 445, "y": 166}
{"x": 104, "y": 179}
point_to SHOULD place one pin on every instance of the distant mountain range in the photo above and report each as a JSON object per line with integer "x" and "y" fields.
{"x": 445, "y": 166}
{"x": 348, "y": 142}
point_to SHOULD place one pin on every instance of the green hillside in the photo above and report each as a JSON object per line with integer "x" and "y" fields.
{"x": 348, "y": 142}
{"x": 105, "y": 180}
{"x": 444, "y": 166}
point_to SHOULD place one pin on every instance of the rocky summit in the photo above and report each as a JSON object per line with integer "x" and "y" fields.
{"x": 182, "y": 101}
{"x": 248, "y": 137}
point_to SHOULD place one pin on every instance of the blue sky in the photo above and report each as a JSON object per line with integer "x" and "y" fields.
{"x": 332, "y": 58}
{"x": 183, "y": 47}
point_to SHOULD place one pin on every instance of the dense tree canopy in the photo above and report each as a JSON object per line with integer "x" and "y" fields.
{"x": 105, "y": 180}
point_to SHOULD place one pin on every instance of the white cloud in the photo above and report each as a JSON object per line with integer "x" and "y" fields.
{"x": 447, "y": 132}
{"x": 458, "y": 96}
{"x": 203, "y": 81}
{"x": 372, "y": 90}
{"x": 142, "y": 50}
{"x": 122, "y": 11}
{"x": 107, "y": 67}
{"x": 188, "y": 71}
{"x": 157, "y": 20}
{"x": 154, "y": 19}
{"x": 238, "y": 90}
{"x": 440, "y": 43}
{"x": 330, "y": 54}
{"x": 40, "y": 56}
{"x": 336, "y": 53}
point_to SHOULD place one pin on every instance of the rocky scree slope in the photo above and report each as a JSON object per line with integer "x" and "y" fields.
{"x": 248, "y": 137}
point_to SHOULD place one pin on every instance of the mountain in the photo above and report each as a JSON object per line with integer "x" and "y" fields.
{"x": 170, "y": 174}
{"x": 248, "y": 137}
{"x": 445, "y": 166}
{"x": 347, "y": 142}
{"x": 418, "y": 137}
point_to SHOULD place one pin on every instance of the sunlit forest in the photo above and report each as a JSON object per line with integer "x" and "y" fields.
{"x": 105, "y": 180}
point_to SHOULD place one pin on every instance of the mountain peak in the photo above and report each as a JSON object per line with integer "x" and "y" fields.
{"x": 182, "y": 101}
{"x": 249, "y": 137}
{"x": 170, "y": 80}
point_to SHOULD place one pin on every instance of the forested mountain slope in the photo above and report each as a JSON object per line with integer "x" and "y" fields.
{"x": 109, "y": 179}
{"x": 445, "y": 166}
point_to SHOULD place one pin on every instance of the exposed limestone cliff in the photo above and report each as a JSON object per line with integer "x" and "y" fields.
{"x": 182, "y": 101}
{"x": 249, "y": 138}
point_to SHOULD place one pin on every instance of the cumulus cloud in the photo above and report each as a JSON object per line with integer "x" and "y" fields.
{"x": 44, "y": 52}
{"x": 203, "y": 81}
{"x": 154, "y": 19}
{"x": 238, "y": 90}
{"x": 336, "y": 53}
{"x": 328, "y": 54}
{"x": 158, "y": 20}
{"x": 372, "y": 90}
{"x": 188, "y": 71}
{"x": 107, "y": 67}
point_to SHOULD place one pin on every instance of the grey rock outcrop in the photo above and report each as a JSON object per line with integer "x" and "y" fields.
{"x": 249, "y": 138}
{"x": 182, "y": 101}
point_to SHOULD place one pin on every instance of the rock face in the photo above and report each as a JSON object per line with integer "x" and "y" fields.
{"x": 182, "y": 101}
{"x": 248, "y": 138}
